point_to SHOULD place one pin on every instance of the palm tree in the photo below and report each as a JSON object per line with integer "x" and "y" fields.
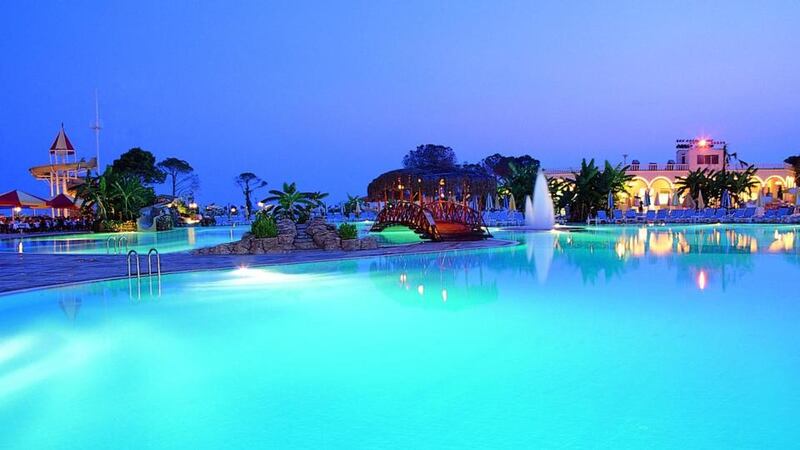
{"x": 352, "y": 203}
{"x": 613, "y": 179}
{"x": 291, "y": 203}
{"x": 695, "y": 182}
{"x": 742, "y": 183}
{"x": 520, "y": 180}
{"x": 129, "y": 195}
{"x": 562, "y": 193}
{"x": 95, "y": 195}
{"x": 317, "y": 197}
{"x": 586, "y": 196}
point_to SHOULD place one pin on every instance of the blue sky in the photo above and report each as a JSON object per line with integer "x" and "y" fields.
{"x": 330, "y": 94}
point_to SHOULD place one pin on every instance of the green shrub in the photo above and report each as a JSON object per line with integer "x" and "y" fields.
{"x": 264, "y": 226}
{"x": 347, "y": 231}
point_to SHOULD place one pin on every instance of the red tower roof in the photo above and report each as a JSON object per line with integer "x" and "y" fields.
{"x": 62, "y": 143}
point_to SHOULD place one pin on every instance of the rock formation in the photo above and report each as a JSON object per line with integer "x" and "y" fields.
{"x": 314, "y": 234}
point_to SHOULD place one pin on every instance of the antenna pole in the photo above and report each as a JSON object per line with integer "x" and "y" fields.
{"x": 96, "y": 127}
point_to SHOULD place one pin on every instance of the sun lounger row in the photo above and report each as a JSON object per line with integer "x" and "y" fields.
{"x": 707, "y": 215}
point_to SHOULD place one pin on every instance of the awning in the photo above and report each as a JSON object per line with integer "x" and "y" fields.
{"x": 62, "y": 201}
{"x": 20, "y": 199}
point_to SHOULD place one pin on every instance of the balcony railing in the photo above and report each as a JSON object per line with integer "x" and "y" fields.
{"x": 668, "y": 167}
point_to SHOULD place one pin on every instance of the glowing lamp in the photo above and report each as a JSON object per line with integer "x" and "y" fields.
{"x": 702, "y": 143}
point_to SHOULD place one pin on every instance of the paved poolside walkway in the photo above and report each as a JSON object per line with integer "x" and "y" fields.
{"x": 28, "y": 271}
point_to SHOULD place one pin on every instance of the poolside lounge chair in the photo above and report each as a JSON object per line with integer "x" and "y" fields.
{"x": 733, "y": 215}
{"x": 747, "y": 216}
{"x": 708, "y": 215}
{"x": 661, "y": 216}
{"x": 783, "y": 213}
{"x": 630, "y": 216}
{"x": 793, "y": 217}
{"x": 650, "y": 216}
{"x": 618, "y": 217}
{"x": 719, "y": 216}
{"x": 687, "y": 216}
{"x": 601, "y": 217}
{"x": 769, "y": 216}
{"x": 674, "y": 215}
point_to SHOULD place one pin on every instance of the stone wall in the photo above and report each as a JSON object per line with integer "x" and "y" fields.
{"x": 316, "y": 234}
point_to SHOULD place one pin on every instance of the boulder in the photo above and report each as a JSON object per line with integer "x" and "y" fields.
{"x": 305, "y": 245}
{"x": 368, "y": 243}
{"x": 350, "y": 245}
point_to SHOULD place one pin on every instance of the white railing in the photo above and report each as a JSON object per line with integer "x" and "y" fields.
{"x": 655, "y": 167}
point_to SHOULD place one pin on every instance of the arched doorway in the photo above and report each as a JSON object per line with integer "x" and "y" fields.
{"x": 635, "y": 192}
{"x": 661, "y": 190}
{"x": 775, "y": 188}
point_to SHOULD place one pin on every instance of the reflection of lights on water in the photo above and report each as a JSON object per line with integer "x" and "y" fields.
{"x": 19, "y": 247}
{"x": 783, "y": 242}
{"x": 421, "y": 289}
{"x": 620, "y": 247}
{"x": 244, "y": 275}
{"x": 444, "y": 295}
{"x": 403, "y": 278}
{"x": 702, "y": 280}
{"x": 660, "y": 243}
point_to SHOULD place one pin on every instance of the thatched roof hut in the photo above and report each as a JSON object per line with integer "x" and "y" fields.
{"x": 455, "y": 183}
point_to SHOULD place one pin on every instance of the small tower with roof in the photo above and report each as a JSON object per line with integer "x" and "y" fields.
{"x": 65, "y": 170}
{"x": 62, "y": 156}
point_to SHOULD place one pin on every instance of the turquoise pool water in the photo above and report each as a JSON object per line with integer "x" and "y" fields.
{"x": 177, "y": 240}
{"x": 609, "y": 338}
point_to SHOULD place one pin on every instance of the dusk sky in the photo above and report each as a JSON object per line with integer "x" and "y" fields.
{"x": 330, "y": 94}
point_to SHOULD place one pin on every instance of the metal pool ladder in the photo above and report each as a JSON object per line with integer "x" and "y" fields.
{"x": 117, "y": 244}
{"x": 135, "y": 255}
{"x": 150, "y": 253}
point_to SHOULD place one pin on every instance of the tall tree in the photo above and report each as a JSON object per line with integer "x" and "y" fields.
{"x": 500, "y": 165}
{"x": 180, "y": 174}
{"x": 520, "y": 180}
{"x": 591, "y": 186}
{"x": 430, "y": 156}
{"x": 140, "y": 164}
{"x": 249, "y": 182}
{"x": 696, "y": 182}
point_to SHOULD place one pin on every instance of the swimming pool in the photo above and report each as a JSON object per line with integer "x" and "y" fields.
{"x": 177, "y": 240}
{"x": 608, "y": 338}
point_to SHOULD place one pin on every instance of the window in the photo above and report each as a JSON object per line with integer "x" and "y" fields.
{"x": 707, "y": 159}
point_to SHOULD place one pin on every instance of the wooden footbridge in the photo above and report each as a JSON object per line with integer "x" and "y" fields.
{"x": 437, "y": 221}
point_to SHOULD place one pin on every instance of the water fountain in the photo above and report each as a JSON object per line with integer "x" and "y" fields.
{"x": 539, "y": 211}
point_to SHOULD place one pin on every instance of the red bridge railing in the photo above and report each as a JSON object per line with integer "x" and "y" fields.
{"x": 462, "y": 222}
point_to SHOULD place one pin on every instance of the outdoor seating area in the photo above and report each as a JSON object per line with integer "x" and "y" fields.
{"x": 750, "y": 214}
{"x": 36, "y": 224}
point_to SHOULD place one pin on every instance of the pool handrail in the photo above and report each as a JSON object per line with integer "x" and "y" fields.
{"x": 150, "y": 264}
{"x": 135, "y": 254}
